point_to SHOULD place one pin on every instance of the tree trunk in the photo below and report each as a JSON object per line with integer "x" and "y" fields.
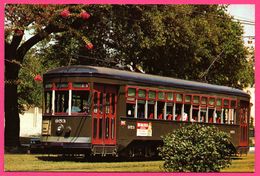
{"x": 12, "y": 120}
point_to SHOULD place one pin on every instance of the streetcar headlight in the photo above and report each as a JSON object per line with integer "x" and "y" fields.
{"x": 60, "y": 130}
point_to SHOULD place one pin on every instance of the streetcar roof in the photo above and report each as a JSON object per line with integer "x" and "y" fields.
{"x": 103, "y": 72}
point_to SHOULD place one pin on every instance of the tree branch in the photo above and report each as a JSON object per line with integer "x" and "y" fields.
{"x": 16, "y": 41}
{"x": 37, "y": 38}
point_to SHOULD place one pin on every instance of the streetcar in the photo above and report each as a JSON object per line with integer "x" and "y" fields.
{"x": 103, "y": 111}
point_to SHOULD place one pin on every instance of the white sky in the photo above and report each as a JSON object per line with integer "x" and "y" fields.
{"x": 244, "y": 12}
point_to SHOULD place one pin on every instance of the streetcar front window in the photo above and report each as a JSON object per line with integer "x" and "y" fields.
{"x": 48, "y": 101}
{"x": 61, "y": 101}
{"x": 80, "y": 102}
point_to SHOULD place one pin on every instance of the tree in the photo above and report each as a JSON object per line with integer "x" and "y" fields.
{"x": 196, "y": 148}
{"x": 179, "y": 41}
{"x": 41, "y": 21}
{"x": 194, "y": 42}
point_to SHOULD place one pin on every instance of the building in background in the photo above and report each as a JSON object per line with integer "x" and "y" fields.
{"x": 31, "y": 123}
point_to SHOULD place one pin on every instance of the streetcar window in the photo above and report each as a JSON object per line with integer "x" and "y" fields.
{"x": 170, "y": 96}
{"x": 195, "y": 114}
{"x": 211, "y": 101}
{"x": 186, "y": 114}
{"x": 179, "y": 97}
{"x": 218, "y": 116}
{"x": 112, "y": 128}
{"x": 226, "y": 116}
{"x": 187, "y": 98}
{"x": 107, "y": 128}
{"x": 80, "y": 85}
{"x": 61, "y": 101}
{"x": 234, "y": 116}
{"x": 107, "y": 103}
{"x": 196, "y": 99}
{"x": 160, "y": 110}
{"x": 48, "y": 101}
{"x": 233, "y": 104}
{"x": 101, "y": 103}
{"x": 80, "y": 101}
{"x": 203, "y": 101}
{"x": 95, "y": 128}
{"x": 151, "y": 94}
{"x": 203, "y": 115}
{"x": 232, "y": 113}
{"x": 140, "y": 109}
{"x": 226, "y": 103}
{"x": 48, "y": 86}
{"x": 161, "y": 95}
{"x": 210, "y": 115}
{"x": 131, "y": 92}
{"x": 113, "y": 104}
{"x": 95, "y": 102}
{"x": 61, "y": 85}
{"x": 151, "y": 109}
{"x": 100, "y": 128}
{"x": 130, "y": 110}
{"x": 178, "y": 113}
{"x": 219, "y": 102}
{"x": 141, "y": 93}
{"x": 169, "y": 111}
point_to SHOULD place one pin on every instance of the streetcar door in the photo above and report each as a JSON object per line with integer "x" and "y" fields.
{"x": 243, "y": 117}
{"x": 104, "y": 115}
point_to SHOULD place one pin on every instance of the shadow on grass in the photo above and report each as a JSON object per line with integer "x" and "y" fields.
{"x": 16, "y": 150}
{"x": 237, "y": 158}
{"x": 97, "y": 159}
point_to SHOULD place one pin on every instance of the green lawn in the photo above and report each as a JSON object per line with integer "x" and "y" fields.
{"x": 242, "y": 164}
{"x": 25, "y": 162}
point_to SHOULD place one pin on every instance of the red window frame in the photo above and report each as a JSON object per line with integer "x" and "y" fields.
{"x": 214, "y": 104}
{"x": 219, "y": 106}
{"x": 126, "y": 94}
{"x": 226, "y": 106}
{"x": 164, "y": 96}
{"x": 152, "y": 90}
{"x": 79, "y": 88}
{"x": 196, "y": 104}
{"x": 50, "y": 88}
{"x": 175, "y": 97}
{"x": 203, "y": 105}
{"x": 137, "y": 94}
{"x": 235, "y": 103}
{"x": 184, "y": 99}
{"x": 62, "y": 88}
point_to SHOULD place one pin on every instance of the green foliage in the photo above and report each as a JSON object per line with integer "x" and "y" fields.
{"x": 29, "y": 90}
{"x": 196, "y": 148}
{"x": 179, "y": 41}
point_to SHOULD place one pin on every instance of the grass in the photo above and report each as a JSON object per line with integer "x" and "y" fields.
{"x": 245, "y": 163}
{"x": 25, "y": 162}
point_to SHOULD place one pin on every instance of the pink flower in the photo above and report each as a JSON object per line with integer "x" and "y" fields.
{"x": 84, "y": 15}
{"x": 89, "y": 46}
{"x": 38, "y": 78}
{"x": 65, "y": 13}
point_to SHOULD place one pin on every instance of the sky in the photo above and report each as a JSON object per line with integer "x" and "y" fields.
{"x": 244, "y": 12}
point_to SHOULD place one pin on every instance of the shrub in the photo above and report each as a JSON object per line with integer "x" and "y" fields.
{"x": 196, "y": 148}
